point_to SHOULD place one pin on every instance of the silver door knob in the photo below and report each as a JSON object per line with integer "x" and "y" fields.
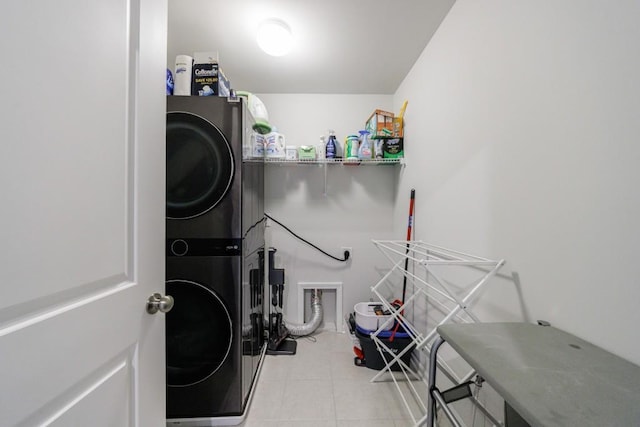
{"x": 158, "y": 303}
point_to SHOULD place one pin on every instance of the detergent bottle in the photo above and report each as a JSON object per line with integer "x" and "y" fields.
{"x": 331, "y": 146}
{"x": 275, "y": 144}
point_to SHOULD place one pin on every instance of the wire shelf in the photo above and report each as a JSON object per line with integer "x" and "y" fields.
{"x": 345, "y": 162}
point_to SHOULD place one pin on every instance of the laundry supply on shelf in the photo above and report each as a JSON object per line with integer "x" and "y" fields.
{"x": 258, "y": 111}
{"x": 364, "y": 151}
{"x": 182, "y": 75}
{"x": 275, "y": 144}
{"x": 331, "y": 146}
{"x": 306, "y": 152}
{"x": 321, "y": 149}
{"x": 208, "y": 78}
{"x": 380, "y": 124}
{"x": 351, "y": 146}
{"x": 393, "y": 148}
{"x": 169, "y": 82}
{"x": 387, "y": 133}
{"x": 291, "y": 152}
{"x": 377, "y": 149}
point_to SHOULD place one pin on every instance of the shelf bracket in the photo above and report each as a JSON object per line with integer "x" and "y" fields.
{"x": 324, "y": 165}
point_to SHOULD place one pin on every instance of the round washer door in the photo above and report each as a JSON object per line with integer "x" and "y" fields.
{"x": 199, "y": 165}
{"x": 199, "y": 333}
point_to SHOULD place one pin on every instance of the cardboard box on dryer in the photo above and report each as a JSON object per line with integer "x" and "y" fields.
{"x": 208, "y": 78}
{"x": 205, "y": 73}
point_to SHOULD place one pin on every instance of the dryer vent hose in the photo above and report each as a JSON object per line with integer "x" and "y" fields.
{"x": 316, "y": 317}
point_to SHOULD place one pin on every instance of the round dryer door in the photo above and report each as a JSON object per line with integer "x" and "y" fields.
{"x": 199, "y": 165}
{"x": 199, "y": 333}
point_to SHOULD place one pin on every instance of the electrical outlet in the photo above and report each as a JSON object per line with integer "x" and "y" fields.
{"x": 347, "y": 248}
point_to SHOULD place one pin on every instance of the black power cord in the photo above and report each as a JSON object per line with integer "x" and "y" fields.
{"x": 346, "y": 253}
{"x": 253, "y": 226}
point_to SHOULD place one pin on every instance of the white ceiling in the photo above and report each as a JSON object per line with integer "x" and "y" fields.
{"x": 342, "y": 46}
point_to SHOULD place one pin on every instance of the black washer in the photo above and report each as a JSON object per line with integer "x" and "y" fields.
{"x": 199, "y": 333}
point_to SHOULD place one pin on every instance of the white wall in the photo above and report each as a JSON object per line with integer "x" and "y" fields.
{"x": 356, "y": 206}
{"x": 522, "y": 143}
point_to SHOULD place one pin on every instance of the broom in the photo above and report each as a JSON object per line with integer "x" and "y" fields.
{"x": 412, "y": 199}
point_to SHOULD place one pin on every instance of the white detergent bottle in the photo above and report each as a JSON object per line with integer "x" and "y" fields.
{"x": 321, "y": 149}
{"x": 275, "y": 144}
{"x": 364, "y": 151}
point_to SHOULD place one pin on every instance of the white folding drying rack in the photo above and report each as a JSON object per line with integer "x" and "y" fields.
{"x": 437, "y": 292}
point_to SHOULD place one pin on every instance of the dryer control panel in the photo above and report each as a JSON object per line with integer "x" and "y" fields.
{"x": 204, "y": 247}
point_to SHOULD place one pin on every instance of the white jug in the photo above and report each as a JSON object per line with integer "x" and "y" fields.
{"x": 257, "y": 145}
{"x": 275, "y": 145}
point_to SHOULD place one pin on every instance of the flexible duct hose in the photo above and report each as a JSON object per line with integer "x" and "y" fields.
{"x": 316, "y": 317}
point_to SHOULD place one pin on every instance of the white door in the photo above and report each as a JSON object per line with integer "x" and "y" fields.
{"x": 82, "y": 113}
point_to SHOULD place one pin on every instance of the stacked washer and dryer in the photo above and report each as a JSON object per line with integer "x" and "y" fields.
{"x": 214, "y": 271}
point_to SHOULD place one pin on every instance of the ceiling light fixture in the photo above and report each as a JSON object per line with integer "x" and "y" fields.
{"x": 275, "y": 37}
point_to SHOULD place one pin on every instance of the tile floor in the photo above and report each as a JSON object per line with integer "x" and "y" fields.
{"x": 321, "y": 387}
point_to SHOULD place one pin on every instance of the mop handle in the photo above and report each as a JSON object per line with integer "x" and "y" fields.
{"x": 412, "y": 200}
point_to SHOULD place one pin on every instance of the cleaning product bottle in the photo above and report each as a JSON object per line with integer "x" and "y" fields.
{"x": 364, "y": 151}
{"x": 331, "y": 146}
{"x": 377, "y": 149}
{"x": 321, "y": 148}
{"x": 169, "y": 82}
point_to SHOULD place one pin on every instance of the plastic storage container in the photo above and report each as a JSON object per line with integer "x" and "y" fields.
{"x": 367, "y": 319}
{"x": 351, "y": 147}
{"x": 373, "y": 358}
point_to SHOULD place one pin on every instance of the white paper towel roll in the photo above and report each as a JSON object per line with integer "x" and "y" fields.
{"x": 182, "y": 75}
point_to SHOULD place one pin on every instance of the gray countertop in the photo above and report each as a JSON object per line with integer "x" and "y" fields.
{"x": 550, "y": 377}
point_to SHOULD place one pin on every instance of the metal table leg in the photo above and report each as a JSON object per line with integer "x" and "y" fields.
{"x": 433, "y": 355}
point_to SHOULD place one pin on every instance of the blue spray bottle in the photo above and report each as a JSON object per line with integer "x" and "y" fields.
{"x": 364, "y": 152}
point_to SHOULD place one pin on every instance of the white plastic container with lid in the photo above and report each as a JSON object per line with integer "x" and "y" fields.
{"x": 351, "y": 147}
{"x": 291, "y": 152}
{"x": 367, "y": 318}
